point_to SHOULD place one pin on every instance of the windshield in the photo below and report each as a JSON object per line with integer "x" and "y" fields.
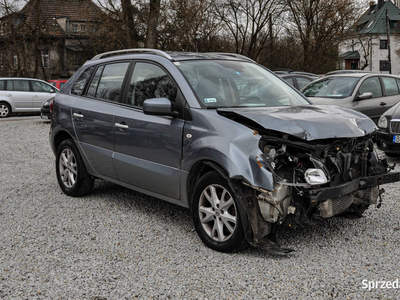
{"x": 222, "y": 83}
{"x": 332, "y": 87}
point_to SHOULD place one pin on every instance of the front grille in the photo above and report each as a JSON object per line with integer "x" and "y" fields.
{"x": 341, "y": 203}
{"x": 395, "y": 127}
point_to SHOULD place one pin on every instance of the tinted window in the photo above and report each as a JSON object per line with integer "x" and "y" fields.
{"x": 390, "y": 86}
{"x": 109, "y": 87}
{"x": 302, "y": 81}
{"x": 95, "y": 81}
{"x": 21, "y": 85}
{"x": 332, "y": 87}
{"x": 371, "y": 85}
{"x": 289, "y": 80}
{"x": 42, "y": 87}
{"x": 2, "y": 85}
{"x": 9, "y": 85}
{"x": 62, "y": 84}
{"x": 80, "y": 83}
{"x": 150, "y": 81}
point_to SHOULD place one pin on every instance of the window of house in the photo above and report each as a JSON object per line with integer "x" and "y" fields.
{"x": 383, "y": 44}
{"x": 45, "y": 59}
{"x": 74, "y": 28}
{"x": 390, "y": 86}
{"x": 384, "y": 65}
{"x": 371, "y": 85}
{"x": 150, "y": 81}
{"x": 83, "y": 28}
{"x": 15, "y": 62}
{"x": 80, "y": 84}
{"x": 110, "y": 84}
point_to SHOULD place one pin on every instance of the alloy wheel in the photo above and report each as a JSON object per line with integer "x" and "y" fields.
{"x": 68, "y": 168}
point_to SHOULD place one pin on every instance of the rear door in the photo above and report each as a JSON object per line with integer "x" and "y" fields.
{"x": 93, "y": 115}
{"x": 40, "y": 93}
{"x": 148, "y": 148}
{"x": 18, "y": 91}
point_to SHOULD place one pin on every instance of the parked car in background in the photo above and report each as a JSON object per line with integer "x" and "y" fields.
{"x": 58, "y": 83}
{"x": 369, "y": 93}
{"x": 218, "y": 134}
{"x": 388, "y": 134}
{"x": 45, "y": 111}
{"x": 346, "y": 72}
{"x": 23, "y": 95}
{"x": 297, "y": 80}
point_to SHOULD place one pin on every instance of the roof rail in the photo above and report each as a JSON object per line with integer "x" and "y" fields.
{"x": 136, "y": 50}
{"x": 232, "y": 55}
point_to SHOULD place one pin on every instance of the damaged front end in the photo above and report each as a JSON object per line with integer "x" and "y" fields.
{"x": 320, "y": 179}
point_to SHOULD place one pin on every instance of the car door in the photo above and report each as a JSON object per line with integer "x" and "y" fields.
{"x": 370, "y": 107}
{"x": 40, "y": 93}
{"x": 93, "y": 115}
{"x": 18, "y": 91}
{"x": 391, "y": 91}
{"x": 148, "y": 148}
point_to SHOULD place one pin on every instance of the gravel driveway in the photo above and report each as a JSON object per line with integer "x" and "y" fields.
{"x": 119, "y": 244}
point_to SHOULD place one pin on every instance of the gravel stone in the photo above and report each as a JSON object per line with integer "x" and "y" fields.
{"x": 119, "y": 244}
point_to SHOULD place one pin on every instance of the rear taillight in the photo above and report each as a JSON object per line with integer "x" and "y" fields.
{"x": 51, "y": 106}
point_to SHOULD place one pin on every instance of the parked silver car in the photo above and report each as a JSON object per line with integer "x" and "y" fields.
{"x": 216, "y": 133}
{"x": 23, "y": 95}
{"x": 369, "y": 93}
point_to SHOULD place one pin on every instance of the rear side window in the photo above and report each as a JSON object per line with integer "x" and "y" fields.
{"x": 2, "y": 85}
{"x": 390, "y": 86}
{"x": 80, "y": 83}
{"x": 95, "y": 82}
{"x": 21, "y": 85}
{"x": 110, "y": 84}
{"x": 371, "y": 85}
{"x": 290, "y": 80}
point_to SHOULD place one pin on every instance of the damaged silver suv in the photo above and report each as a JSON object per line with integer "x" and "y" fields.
{"x": 216, "y": 133}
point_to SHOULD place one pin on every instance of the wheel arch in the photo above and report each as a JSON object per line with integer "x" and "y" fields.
{"x": 12, "y": 108}
{"x": 60, "y": 137}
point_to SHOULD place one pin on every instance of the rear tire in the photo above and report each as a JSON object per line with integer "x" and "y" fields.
{"x": 216, "y": 215}
{"x": 72, "y": 175}
{"x": 5, "y": 110}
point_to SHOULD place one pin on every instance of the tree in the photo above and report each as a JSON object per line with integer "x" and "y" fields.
{"x": 249, "y": 23}
{"x": 320, "y": 25}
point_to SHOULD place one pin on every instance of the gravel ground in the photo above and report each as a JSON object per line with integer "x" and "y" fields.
{"x": 119, "y": 244}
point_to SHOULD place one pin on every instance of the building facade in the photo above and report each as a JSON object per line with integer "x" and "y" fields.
{"x": 47, "y": 39}
{"x": 374, "y": 42}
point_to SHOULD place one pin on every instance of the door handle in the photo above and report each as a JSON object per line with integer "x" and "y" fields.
{"x": 382, "y": 104}
{"x": 77, "y": 115}
{"x": 122, "y": 126}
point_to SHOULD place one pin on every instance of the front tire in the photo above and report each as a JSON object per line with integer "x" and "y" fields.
{"x": 72, "y": 176}
{"x": 216, "y": 215}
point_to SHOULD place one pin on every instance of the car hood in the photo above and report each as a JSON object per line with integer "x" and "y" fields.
{"x": 309, "y": 122}
{"x": 323, "y": 100}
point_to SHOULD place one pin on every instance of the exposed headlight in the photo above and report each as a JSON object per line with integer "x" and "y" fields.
{"x": 383, "y": 122}
{"x": 315, "y": 176}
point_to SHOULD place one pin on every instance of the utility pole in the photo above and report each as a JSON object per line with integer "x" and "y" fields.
{"x": 388, "y": 41}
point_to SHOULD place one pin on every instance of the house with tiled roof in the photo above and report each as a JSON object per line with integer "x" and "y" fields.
{"x": 47, "y": 38}
{"x": 374, "y": 39}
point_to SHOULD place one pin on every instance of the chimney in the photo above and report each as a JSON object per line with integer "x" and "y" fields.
{"x": 380, "y": 3}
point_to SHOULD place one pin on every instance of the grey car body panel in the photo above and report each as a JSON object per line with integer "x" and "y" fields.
{"x": 148, "y": 153}
{"x": 309, "y": 122}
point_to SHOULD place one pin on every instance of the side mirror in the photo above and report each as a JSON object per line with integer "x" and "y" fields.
{"x": 366, "y": 95}
{"x": 158, "y": 107}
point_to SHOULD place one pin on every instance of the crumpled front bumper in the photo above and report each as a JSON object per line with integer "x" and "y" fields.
{"x": 318, "y": 195}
